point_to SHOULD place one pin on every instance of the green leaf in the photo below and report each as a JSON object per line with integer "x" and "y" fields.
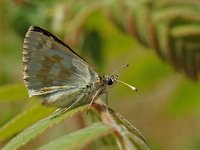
{"x": 79, "y": 139}
{"x": 15, "y": 92}
{"x": 132, "y": 136}
{"x": 36, "y": 129}
{"x": 23, "y": 120}
{"x": 128, "y": 136}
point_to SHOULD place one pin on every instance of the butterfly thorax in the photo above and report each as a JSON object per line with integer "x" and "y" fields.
{"x": 101, "y": 85}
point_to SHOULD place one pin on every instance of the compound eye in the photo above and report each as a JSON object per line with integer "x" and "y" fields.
{"x": 110, "y": 81}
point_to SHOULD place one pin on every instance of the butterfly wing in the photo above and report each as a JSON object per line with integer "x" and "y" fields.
{"x": 50, "y": 65}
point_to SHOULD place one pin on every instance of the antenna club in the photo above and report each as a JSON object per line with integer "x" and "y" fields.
{"x": 130, "y": 86}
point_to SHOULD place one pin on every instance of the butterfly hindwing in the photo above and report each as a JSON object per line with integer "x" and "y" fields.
{"x": 50, "y": 65}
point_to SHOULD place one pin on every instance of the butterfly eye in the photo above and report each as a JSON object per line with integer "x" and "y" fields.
{"x": 110, "y": 81}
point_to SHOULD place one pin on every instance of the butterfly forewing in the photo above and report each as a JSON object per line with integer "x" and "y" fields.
{"x": 50, "y": 65}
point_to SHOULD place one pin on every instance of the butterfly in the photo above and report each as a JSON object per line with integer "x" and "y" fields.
{"x": 53, "y": 71}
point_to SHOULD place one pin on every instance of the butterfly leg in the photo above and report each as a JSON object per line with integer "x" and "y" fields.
{"x": 106, "y": 97}
{"x": 63, "y": 110}
{"x": 56, "y": 113}
{"x": 94, "y": 98}
{"x": 105, "y": 93}
{"x": 57, "y": 110}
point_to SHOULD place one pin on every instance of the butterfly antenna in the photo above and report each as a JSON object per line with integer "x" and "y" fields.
{"x": 120, "y": 68}
{"x": 130, "y": 86}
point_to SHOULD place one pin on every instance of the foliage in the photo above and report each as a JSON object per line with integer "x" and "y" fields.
{"x": 83, "y": 137}
{"x": 166, "y": 108}
{"x": 171, "y": 28}
{"x": 37, "y": 128}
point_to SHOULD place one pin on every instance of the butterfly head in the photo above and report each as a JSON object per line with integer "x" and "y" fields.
{"x": 110, "y": 80}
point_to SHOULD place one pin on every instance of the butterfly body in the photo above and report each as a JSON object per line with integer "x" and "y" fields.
{"x": 53, "y": 71}
{"x": 65, "y": 98}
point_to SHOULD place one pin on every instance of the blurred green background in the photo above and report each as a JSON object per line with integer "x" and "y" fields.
{"x": 166, "y": 109}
